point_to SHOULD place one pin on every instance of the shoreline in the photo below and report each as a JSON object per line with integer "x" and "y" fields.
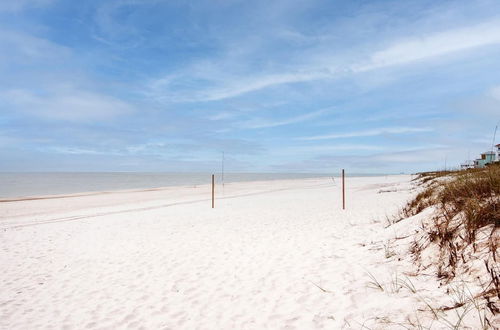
{"x": 136, "y": 190}
{"x": 48, "y": 185}
{"x": 115, "y": 202}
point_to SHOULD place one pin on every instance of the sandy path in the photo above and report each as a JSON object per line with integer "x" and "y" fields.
{"x": 278, "y": 255}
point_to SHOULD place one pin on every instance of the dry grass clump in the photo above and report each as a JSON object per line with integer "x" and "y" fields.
{"x": 423, "y": 200}
{"x": 467, "y": 203}
{"x": 475, "y": 197}
{"x": 475, "y": 194}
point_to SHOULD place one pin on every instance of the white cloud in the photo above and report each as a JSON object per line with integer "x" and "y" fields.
{"x": 370, "y": 132}
{"x": 179, "y": 88}
{"x": 65, "y": 104}
{"x": 266, "y": 123}
{"x": 18, "y": 46}
{"x": 75, "y": 151}
{"x": 216, "y": 84}
{"x": 434, "y": 45}
{"x": 255, "y": 84}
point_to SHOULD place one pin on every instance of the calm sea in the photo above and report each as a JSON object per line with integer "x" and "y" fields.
{"x": 36, "y": 184}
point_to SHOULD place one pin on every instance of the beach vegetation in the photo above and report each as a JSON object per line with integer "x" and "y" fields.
{"x": 464, "y": 226}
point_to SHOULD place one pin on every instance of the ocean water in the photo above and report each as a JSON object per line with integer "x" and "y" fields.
{"x": 38, "y": 184}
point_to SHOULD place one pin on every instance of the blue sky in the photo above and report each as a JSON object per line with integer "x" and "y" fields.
{"x": 279, "y": 86}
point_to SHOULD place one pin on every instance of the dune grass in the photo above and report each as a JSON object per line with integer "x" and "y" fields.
{"x": 468, "y": 199}
{"x": 465, "y": 204}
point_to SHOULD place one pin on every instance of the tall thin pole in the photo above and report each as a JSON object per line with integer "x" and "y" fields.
{"x": 343, "y": 189}
{"x": 494, "y": 136}
{"x": 213, "y": 191}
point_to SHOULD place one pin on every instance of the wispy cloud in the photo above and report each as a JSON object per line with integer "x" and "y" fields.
{"x": 142, "y": 81}
{"x": 77, "y": 151}
{"x": 267, "y": 123}
{"x": 217, "y": 86}
{"x": 369, "y": 132}
{"x": 21, "y": 47}
{"x": 434, "y": 45}
{"x": 66, "y": 103}
{"x": 257, "y": 83}
{"x": 168, "y": 89}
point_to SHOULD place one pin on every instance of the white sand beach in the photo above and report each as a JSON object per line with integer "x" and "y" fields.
{"x": 271, "y": 255}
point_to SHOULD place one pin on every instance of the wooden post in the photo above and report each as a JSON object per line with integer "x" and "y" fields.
{"x": 343, "y": 189}
{"x": 213, "y": 191}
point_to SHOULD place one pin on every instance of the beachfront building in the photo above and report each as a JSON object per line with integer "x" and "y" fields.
{"x": 486, "y": 158}
{"x": 497, "y": 152}
{"x": 466, "y": 165}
